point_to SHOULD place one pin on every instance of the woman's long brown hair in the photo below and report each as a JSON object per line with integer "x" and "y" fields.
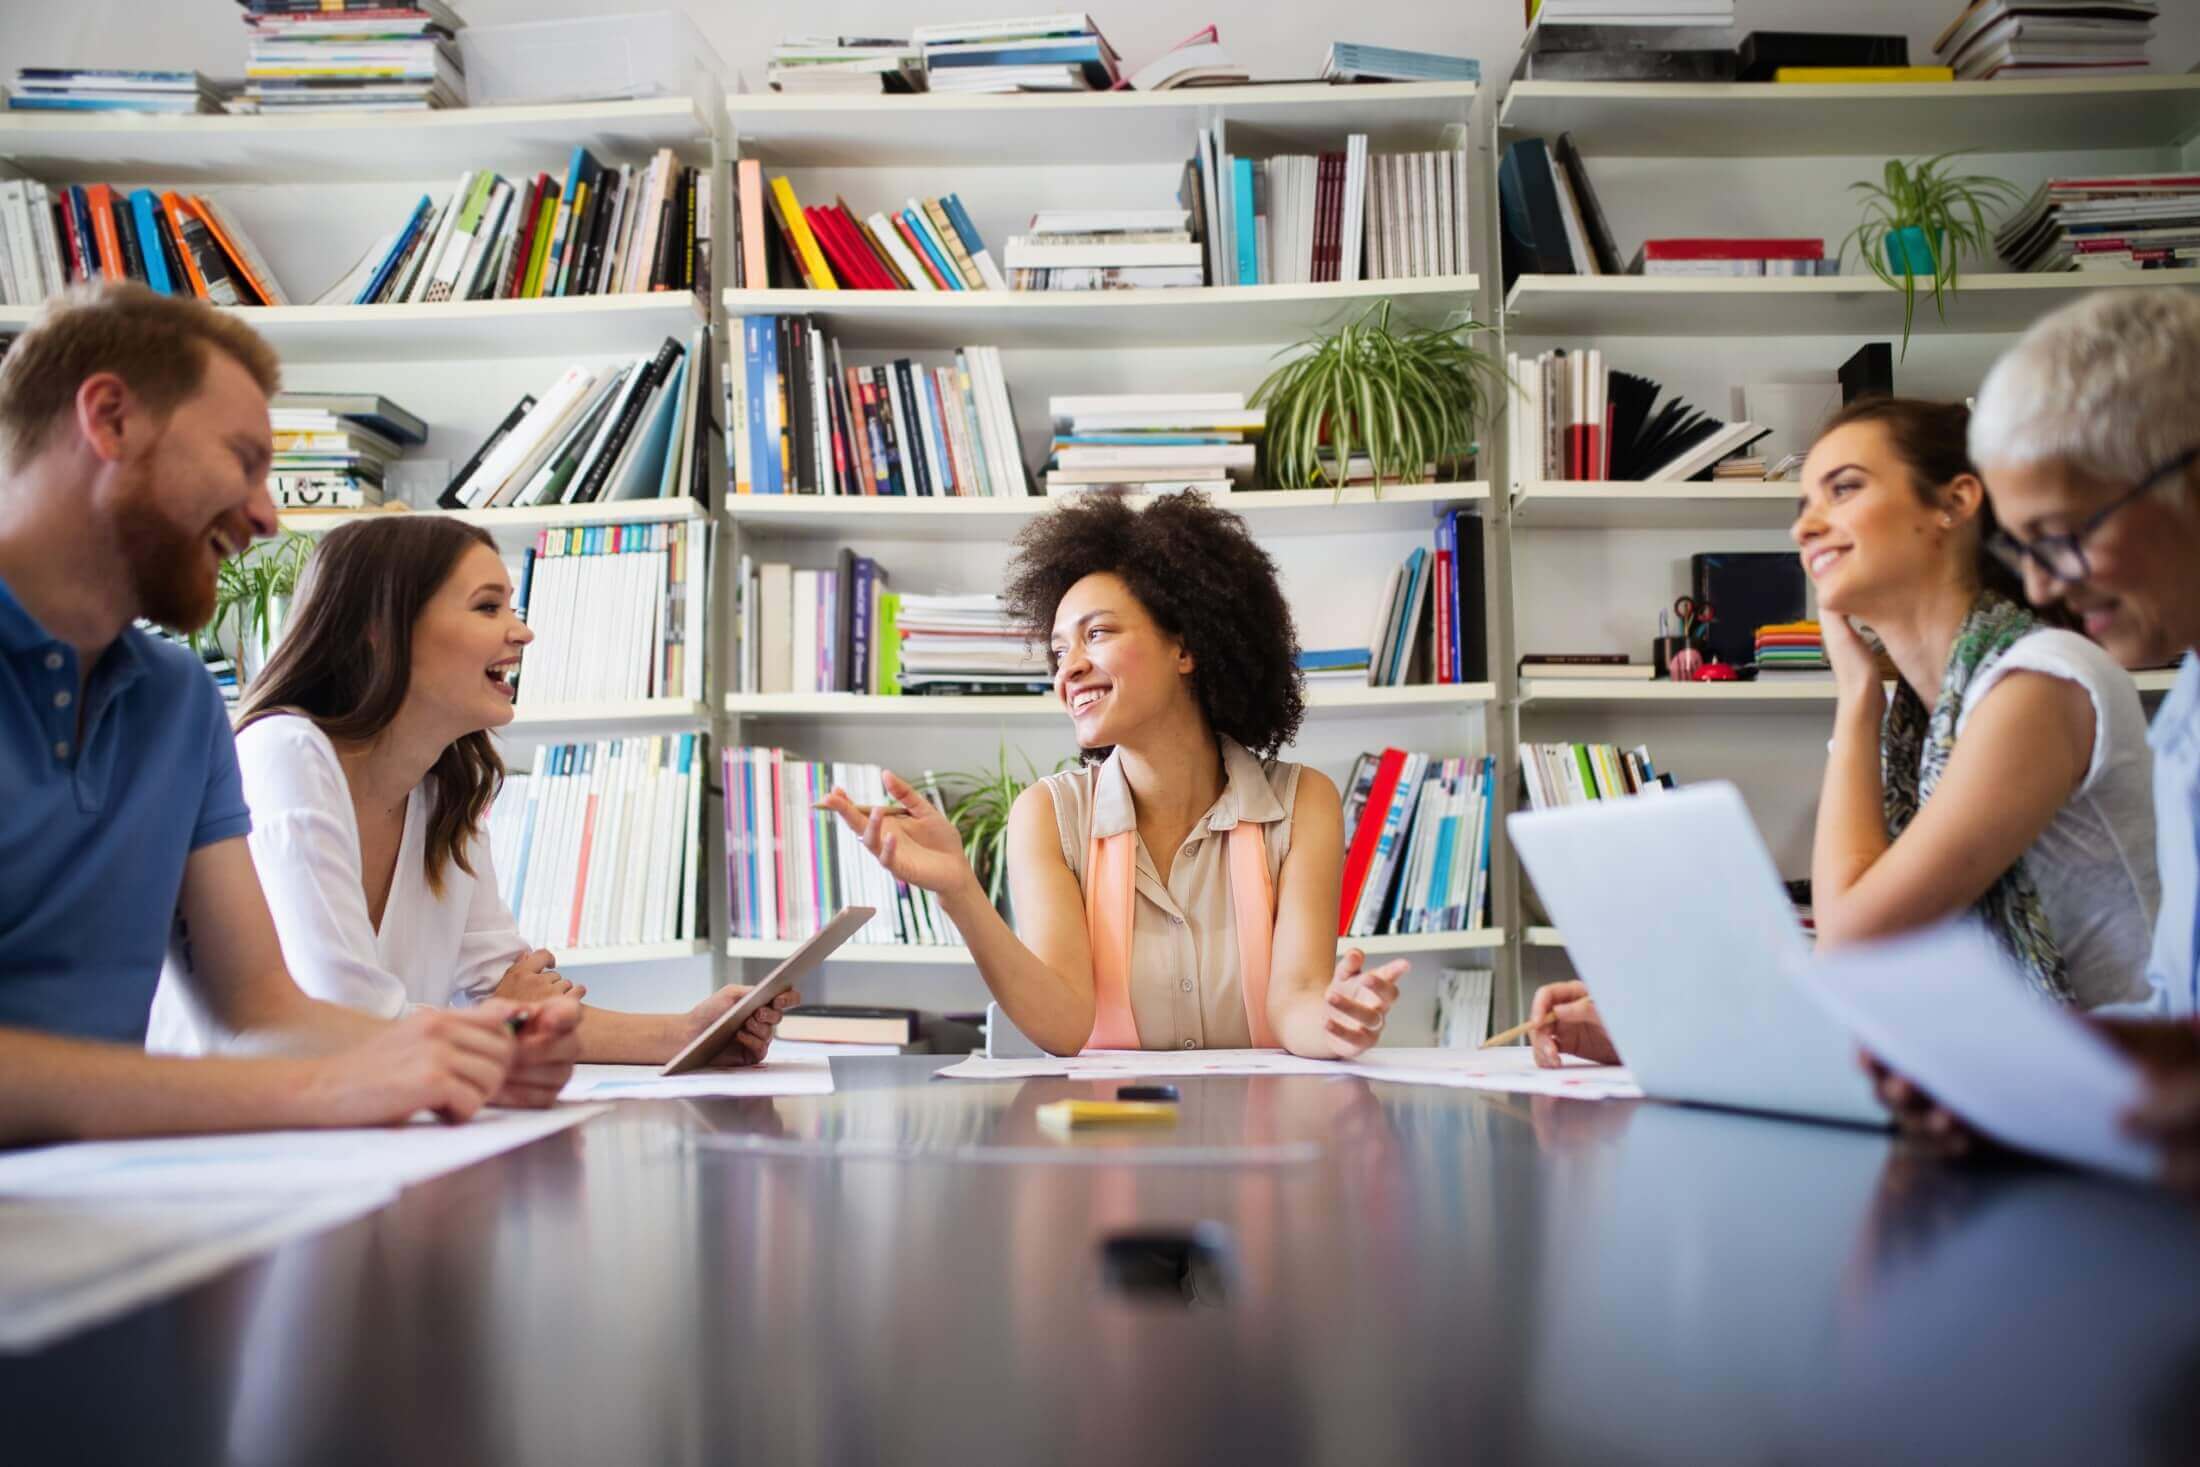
{"x": 345, "y": 659}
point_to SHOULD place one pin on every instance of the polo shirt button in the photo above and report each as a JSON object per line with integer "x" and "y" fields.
{"x": 61, "y": 749}
{"x": 53, "y": 662}
{"x": 62, "y": 699}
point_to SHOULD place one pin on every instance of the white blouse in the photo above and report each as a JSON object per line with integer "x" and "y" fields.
{"x": 430, "y": 949}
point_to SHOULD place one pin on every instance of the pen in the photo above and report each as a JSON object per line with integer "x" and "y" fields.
{"x": 1519, "y": 1030}
{"x": 513, "y": 1023}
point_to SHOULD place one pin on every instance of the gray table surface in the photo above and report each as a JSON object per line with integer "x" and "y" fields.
{"x": 889, "y": 1275}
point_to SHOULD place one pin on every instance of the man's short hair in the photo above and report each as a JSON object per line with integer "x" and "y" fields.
{"x": 159, "y": 344}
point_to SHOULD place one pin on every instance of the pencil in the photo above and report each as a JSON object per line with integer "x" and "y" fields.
{"x": 1519, "y": 1031}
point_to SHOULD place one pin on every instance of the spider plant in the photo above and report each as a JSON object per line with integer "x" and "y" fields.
{"x": 1408, "y": 400}
{"x": 251, "y": 591}
{"x": 1918, "y": 220}
{"x": 980, "y": 816}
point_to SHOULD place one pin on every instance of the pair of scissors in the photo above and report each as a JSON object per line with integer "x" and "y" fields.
{"x": 1695, "y": 619}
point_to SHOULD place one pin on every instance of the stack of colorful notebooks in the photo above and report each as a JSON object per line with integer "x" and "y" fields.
{"x": 964, "y": 645}
{"x": 781, "y": 244}
{"x": 1035, "y": 53}
{"x": 1791, "y": 647}
{"x": 1154, "y": 442}
{"x": 107, "y": 89}
{"x": 178, "y": 244}
{"x": 1417, "y": 854}
{"x": 333, "y": 449}
{"x": 351, "y": 56}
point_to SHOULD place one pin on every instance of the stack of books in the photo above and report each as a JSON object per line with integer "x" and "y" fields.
{"x": 1577, "y": 420}
{"x": 1153, "y": 442}
{"x": 1040, "y": 53}
{"x": 2012, "y": 39}
{"x": 1576, "y": 774}
{"x": 600, "y": 433}
{"x": 1428, "y": 618}
{"x": 779, "y": 243}
{"x": 1628, "y": 40}
{"x": 806, "y": 422}
{"x": 333, "y": 449}
{"x": 600, "y": 846}
{"x": 1105, "y": 249}
{"x": 617, "y": 612}
{"x": 1335, "y": 666}
{"x": 1602, "y": 667}
{"x": 1791, "y": 647}
{"x": 111, "y": 89}
{"x": 342, "y": 56}
{"x": 1348, "y": 61}
{"x": 1417, "y": 852}
{"x": 1740, "y": 256}
{"x": 790, "y": 867}
{"x": 845, "y": 65}
{"x": 2144, "y": 221}
{"x": 178, "y": 244}
{"x": 966, "y": 645}
{"x": 601, "y": 231}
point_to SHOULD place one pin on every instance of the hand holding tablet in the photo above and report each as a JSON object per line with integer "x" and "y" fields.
{"x": 707, "y": 1045}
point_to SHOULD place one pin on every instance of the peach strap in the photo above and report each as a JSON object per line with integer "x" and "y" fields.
{"x": 1111, "y": 867}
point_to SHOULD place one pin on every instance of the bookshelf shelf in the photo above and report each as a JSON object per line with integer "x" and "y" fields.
{"x": 1214, "y": 315}
{"x": 311, "y": 149}
{"x": 611, "y": 325}
{"x": 1662, "y": 695}
{"x": 646, "y": 952}
{"x": 879, "y": 130}
{"x": 520, "y": 520}
{"x": 942, "y": 956}
{"x": 609, "y": 720}
{"x": 1557, "y": 505}
{"x": 1768, "y": 120}
{"x": 1319, "y": 701}
{"x": 1852, "y": 305}
{"x": 1267, "y": 511}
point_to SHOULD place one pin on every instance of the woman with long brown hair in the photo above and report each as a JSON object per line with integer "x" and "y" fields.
{"x": 368, "y": 766}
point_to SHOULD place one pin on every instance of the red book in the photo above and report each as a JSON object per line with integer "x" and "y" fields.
{"x": 836, "y": 252}
{"x": 916, "y": 247}
{"x": 876, "y": 264}
{"x": 1361, "y": 853}
{"x": 1734, "y": 249}
{"x": 1326, "y": 193}
{"x": 861, "y": 262}
{"x": 524, "y": 244}
{"x": 76, "y": 257}
{"x": 1445, "y": 671}
{"x": 580, "y": 881}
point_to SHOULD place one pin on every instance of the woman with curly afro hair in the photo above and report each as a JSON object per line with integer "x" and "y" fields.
{"x": 1179, "y": 889}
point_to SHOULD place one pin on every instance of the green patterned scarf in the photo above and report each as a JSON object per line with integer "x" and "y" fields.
{"x": 1914, "y": 746}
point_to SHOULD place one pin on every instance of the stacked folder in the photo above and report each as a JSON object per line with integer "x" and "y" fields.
{"x": 1795, "y": 646}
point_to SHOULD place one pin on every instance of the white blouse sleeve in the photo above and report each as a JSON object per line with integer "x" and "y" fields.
{"x": 492, "y": 941}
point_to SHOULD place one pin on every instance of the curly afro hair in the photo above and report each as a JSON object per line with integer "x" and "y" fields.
{"x": 1204, "y": 581}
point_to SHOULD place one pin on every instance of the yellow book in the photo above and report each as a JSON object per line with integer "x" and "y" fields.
{"x": 798, "y": 230}
{"x": 1846, "y": 75}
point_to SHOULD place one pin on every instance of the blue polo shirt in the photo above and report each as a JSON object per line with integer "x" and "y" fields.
{"x": 94, "y": 832}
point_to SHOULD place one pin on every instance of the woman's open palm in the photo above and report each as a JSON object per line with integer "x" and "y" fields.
{"x": 916, "y": 843}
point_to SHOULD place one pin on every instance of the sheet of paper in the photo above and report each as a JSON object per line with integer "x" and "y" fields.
{"x": 780, "y": 1074}
{"x": 276, "y": 1162}
{"x": 1497, "y": 1069}
{"x": 1947, "y": 1009}
{"x": 1143, "y": 1064}
{"x": 1513, "y": 1070}
{"x": 71, "y": 1263}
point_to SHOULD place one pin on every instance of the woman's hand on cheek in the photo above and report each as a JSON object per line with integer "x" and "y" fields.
{"x": 1855, "y": 665}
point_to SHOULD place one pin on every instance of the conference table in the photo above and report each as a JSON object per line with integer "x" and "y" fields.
{"x": 1302, "y": 1270}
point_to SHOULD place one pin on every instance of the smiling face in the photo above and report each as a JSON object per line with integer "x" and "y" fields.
{"x": 1867, "y": 539}
{"x": 1114, "y": 667}
{"x": 466, "y": 648}
{"x": 2141, "y": 597}
{"x": 195, "y": 496}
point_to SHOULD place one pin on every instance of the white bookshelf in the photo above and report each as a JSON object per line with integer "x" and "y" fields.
{"x": 1770, "y": 120}
{"x": 517, "y": 520}
{"x": 1377, "y": 949}
{"x": 558, "y": 722}
{"x": 1267, "y": 511}
{"x": 1438, "y": 698}
{"x": 1852, "y": 305}
{"x": 1579, "y": 505}
{"x": 631, "y": 954}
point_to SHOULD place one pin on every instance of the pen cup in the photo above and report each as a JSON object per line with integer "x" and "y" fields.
{"x": 1661, "y": 655}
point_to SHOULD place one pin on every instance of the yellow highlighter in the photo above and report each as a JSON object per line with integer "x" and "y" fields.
{"x": 1072, "y": 1115}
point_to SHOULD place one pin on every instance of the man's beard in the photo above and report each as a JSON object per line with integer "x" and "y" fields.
{"x": 165, "y": 562}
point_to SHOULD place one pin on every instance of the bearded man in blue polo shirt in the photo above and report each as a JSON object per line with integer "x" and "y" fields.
{"x": 134, "y": 449}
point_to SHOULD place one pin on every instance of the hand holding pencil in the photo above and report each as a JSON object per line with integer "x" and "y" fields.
{"x": 1563, "y": 1020}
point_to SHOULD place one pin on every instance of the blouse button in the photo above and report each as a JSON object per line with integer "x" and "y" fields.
{"x": 1189, "y": 1045}
{"x": 1186, "y": 985}
{"x": 1176, "y": 920}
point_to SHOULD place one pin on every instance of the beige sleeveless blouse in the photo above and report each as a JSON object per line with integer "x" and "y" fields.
{"x": 1184, "y": 980}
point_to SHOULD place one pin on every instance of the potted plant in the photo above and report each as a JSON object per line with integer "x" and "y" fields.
{"x": 1918, "y": 221}
{"x": 980, "y": 816}
{"x": 252, "y": 598}
{"x": 1408, "y": 400}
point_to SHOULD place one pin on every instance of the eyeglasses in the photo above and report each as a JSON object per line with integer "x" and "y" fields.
{"x": 2063, "y": 556}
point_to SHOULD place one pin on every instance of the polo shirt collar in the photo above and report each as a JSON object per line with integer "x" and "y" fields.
{"x": 2176, "y": 729}
{"x": 1246, "y": 795}
{"x": 122, "y": 664}
{"x": 19, "y": 630}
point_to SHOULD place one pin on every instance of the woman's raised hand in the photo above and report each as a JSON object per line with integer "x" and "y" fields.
{"x": 1358, "y": 1003}
{"x": 915, "y": 843}
{"x": 1855, "y": 667}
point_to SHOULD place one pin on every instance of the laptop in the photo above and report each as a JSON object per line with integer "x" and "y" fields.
{"x": 1676, "y": 919}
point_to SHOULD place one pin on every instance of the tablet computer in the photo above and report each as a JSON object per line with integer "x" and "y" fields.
{"x": 705, "y": 1046}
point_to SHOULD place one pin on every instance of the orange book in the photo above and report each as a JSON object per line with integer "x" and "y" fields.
{"x": 240, "y": 267}
{"x": 749, "y": 184}
{"x": 99, "y": 200}
{"x": 182, "y": 224}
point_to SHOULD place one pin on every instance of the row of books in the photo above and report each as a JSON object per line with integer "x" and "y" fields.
{"x": 842, "y": 629}
{"x": 617, "y": 611}
{"x": 175, "y": 243}
{"x": 1576, "y": 419}
{"x": 111, "y": 89}
{"x": 324, "y": 56}
{"x": 2014, "y": 39}
{"x": 1155, "y": 442}
{"x": 1430, "y": 601}
{"x": 790, "y": 867}
{"x": 805, "y": 422}
{"x": 781, "y": 243}
{"x": 1417, "y": 852}
{"x": 2124, "y": 222}
{"x": 601, "y": 433}
{"x": 604, "y": 231}
{"x": 333, "y": 450}
{"x": 599, "y": 845}
{"x": 1576, "y": 774}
